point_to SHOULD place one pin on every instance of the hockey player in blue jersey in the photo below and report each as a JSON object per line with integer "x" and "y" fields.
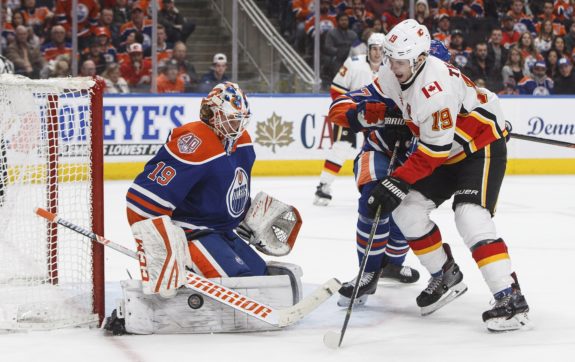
{"x": 369, "y": 110}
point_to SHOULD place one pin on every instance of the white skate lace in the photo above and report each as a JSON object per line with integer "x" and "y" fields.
{"x": 434, "y": 283}
{"x": 365, "y": 279}
{"x": 405, "y": 271}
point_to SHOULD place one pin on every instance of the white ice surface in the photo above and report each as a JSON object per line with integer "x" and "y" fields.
{"x": 536, "y": 217}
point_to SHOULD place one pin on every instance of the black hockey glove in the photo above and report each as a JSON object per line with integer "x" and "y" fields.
{"x": 403, "y": 134}
{"x": 388, "y": 193}
{"x": 245, "y": 232}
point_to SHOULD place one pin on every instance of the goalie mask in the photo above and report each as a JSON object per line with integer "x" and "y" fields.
{"x": 227, "y": 112}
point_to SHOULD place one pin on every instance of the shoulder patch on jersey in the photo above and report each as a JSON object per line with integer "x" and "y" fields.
{"x": 188, "y": 143}
{"x": 354, "y": 58}
{"x": 431, "y": 89}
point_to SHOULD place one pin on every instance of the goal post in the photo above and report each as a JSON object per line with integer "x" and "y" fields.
{"x": 51, "y": 156}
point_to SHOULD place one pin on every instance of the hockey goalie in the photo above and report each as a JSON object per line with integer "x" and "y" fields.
{"x": 191, "y": 208}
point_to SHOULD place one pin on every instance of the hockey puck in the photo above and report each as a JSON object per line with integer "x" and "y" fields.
{"x": 331, "y": 339}
{"x": 195, "y": 301}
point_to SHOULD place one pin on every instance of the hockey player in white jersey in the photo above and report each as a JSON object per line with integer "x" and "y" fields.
{"x": 461, "y": 152}
{"x": 356, "y": 72}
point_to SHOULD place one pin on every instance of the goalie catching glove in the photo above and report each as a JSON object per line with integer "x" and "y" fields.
{"x": 164, "y": 255}
{"x": 270, "y": 225}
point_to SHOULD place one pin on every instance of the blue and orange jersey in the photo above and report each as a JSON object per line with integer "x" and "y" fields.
{"x": 88, "y": 12}
{"x": 146, "y": 30}
{"x": 51, "y": 51}
{"x": 326, "y": 23}
{"x": 193, "y": 180}
{"x": 476, "y": 8}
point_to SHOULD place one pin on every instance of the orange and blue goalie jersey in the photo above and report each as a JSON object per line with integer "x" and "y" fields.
{"x": 193, "y": 181}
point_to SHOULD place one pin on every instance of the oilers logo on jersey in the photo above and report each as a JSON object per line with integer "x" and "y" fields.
{"x": 238, "y": 194}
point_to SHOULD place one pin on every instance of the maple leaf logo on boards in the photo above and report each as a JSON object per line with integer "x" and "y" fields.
{"x": 274, "y": 132}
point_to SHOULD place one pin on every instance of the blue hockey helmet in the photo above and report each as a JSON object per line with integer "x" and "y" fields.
{"x": 439, "y": 50}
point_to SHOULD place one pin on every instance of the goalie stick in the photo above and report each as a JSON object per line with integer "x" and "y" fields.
{"x": 542, "y": 140}
{"x": 273, "y": 316}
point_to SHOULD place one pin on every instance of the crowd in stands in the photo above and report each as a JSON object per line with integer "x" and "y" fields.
{"x": 509, "y": 46}
{"x": 114, "y": 42}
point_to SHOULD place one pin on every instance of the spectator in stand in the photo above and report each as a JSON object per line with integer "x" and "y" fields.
{"x": 138, "y": 24}
{"x": 327, "y": 19}
{"x": 523, "y": 22}
{"x": 96, "y": 54}
{"x": 107, "y": 21}
{"x": 565, "y": 80}
{"x": 443, "y": 31}
{"x": 562, "y": 9}
{"x": 510, "y": 35}
{"x": 527, "y": 47}
{"x": 121, "y": 16}
{"x": 422, "y": 13}
{"x": 136, "y": 70}
{"x": 18, "y": 19}
{"x": 479, "y": 67}
{"x": 115, "y": 83}
{"x": 551, "y": 60}
{"x": 360, "y": 45}
{"x": 88, "y": 69}
{"x": 514, "y": 67}
{"x": 559, "y": 45}
{"x": 27, "y": 58}
{"x": 36, "y": 17}
{"x": 377, "y": 7}
{"x": 359, "y": 17}
{"x": 395, "y": 15}
{"x": 538, "y": 83}
{"x": 169, "y": 81}
{"x": 509, "y": 88}
{"x": 496, "y": 53}
{"x": 570, "y": 38}
{"x": 177, "y": 27}
{"x": 57, "y": 68}
{"x": 548, "y": 9}
{"x": 337, "y": 45}
{"x": 544, "y": 38}
{"x": 216, "y": 75}
{"x": 467, "y": 9}
{"x": 163, "y": 48}
{"x": 57, "y": 44}
{"x": 301, "y": 10}
{"x": 87, "y": 18}
{"x": 460, "y": 52}
{"x": 103, "y": 36}
{"x": 186, "y": 69}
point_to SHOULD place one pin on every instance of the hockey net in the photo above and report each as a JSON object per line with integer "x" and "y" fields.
{"x": 50, "y": 157}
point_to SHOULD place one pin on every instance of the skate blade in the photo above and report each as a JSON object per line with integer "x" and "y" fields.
{"x": 321, "y": 201}
{"x": 359, "y": 301}
{"x": 518, "y": 321}
{"x": 454, "y": 292}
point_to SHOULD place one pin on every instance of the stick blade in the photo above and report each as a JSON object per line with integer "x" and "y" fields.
{"x": 331, "y": 339}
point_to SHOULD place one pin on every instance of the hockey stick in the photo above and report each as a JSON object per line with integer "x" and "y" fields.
{"x": 333, "y": 339}
{"x": 276, "y": 317}
{"x": 542, "y": 140}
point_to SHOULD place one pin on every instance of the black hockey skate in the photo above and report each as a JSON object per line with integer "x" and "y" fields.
{"x": 444, "y": 288}
{"x": 322, "y": 194}
{"x": 400, "y": 273}
{"x": 509, "y": 312}
{"x": 367, "y": 287}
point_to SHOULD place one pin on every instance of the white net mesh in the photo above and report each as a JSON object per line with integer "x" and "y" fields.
{"x": 45, "y": 147}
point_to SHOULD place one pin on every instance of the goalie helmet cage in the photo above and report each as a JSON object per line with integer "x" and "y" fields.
{"x": 51, "y": 138}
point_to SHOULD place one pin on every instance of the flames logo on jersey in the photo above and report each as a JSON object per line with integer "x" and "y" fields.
{"x": 238, "y": 193}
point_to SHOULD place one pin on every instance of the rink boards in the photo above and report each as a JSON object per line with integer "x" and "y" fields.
{"x": 291, "y": 133}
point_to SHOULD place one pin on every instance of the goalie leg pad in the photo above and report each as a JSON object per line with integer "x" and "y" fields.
{"x": 225, "y": 255}
{"x": 163, "y": 255}
{"x": 190, "y": 312}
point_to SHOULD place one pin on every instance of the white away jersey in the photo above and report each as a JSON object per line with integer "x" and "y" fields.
{"x": 354, "y": 73}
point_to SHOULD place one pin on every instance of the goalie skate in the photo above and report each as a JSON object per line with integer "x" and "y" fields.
{"x": 322, "y": 195}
